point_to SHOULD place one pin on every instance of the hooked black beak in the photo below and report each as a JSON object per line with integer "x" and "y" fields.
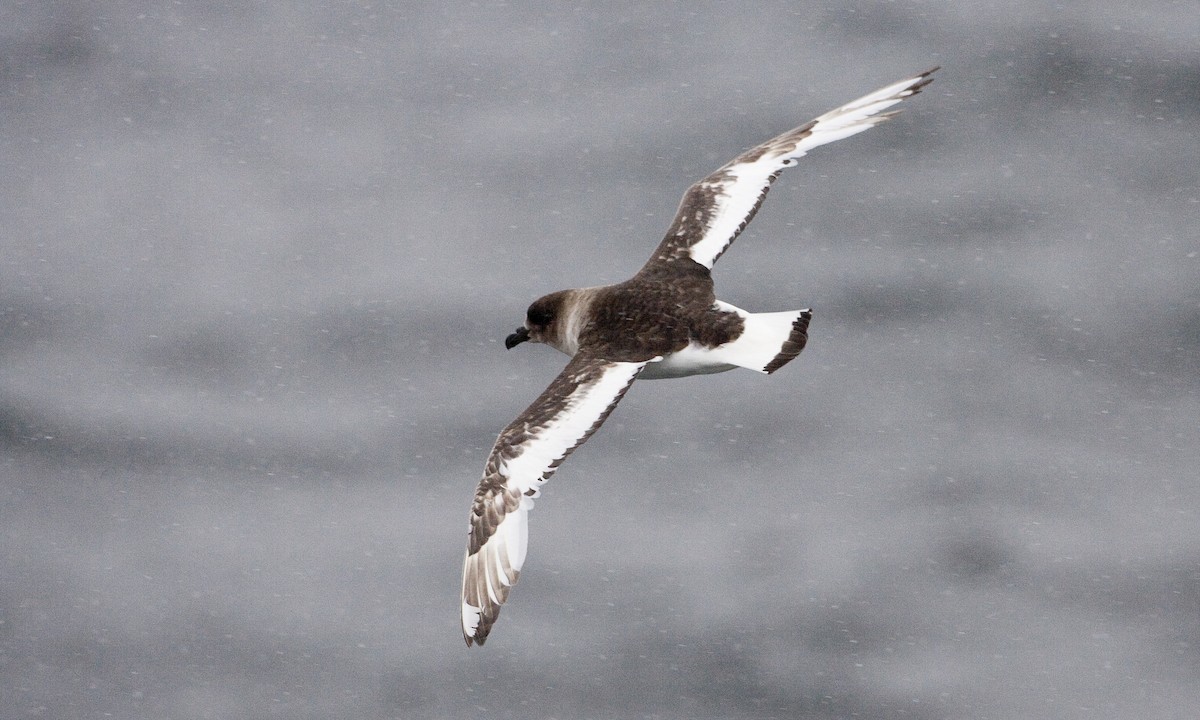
{"x": 520, "y": 336}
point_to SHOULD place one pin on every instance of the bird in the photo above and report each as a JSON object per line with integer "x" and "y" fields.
{"x": 664, "y": 322}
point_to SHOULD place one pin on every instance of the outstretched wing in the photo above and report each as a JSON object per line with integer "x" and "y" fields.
{"x": 716, "y": 209}
{"x": 525, "y": 455}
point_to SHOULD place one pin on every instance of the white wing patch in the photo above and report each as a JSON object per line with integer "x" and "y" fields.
{"x": 525, "y": 455}
{"x": 733, "y": 193}
{"x": 580, "y": 412}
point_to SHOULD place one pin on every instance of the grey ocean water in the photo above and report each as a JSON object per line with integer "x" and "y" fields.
{"x": 257, "y": 261}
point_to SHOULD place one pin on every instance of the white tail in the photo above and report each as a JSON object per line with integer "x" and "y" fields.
{"x": 769, "y": 340}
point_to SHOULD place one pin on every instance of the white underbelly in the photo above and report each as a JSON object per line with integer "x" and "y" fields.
{"x": 692, "y": 360}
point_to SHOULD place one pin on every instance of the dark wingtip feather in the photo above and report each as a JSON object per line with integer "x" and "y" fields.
{"x": 926, "y": 78}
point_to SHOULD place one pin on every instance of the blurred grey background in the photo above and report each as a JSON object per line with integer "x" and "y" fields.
{"x": 256, "y": 264}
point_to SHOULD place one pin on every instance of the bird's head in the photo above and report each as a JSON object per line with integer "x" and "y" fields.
{"x": 545, "y": 322}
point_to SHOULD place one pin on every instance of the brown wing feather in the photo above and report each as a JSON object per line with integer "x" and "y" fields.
{"x": 525, "y": 455}
{"x": 715, "y": 210}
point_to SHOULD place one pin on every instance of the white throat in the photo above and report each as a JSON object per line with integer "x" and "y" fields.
{"x": 573, "y": 323}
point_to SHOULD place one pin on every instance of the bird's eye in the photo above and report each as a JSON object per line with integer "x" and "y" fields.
{"x": 538, "y": 316}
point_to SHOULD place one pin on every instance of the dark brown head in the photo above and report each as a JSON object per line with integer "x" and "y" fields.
{"x": 545, "y": 321}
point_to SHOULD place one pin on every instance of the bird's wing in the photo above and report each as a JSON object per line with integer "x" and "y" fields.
{"x": 525, "y": 455}
{"x": 716, "y": 209}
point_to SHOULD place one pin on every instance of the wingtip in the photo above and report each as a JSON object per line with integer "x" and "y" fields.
{"x": 923, "y": 79}
{"x": 475, "y": 635}
{"x": 474, "y": 630}
{"x": 476, "y": 638}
